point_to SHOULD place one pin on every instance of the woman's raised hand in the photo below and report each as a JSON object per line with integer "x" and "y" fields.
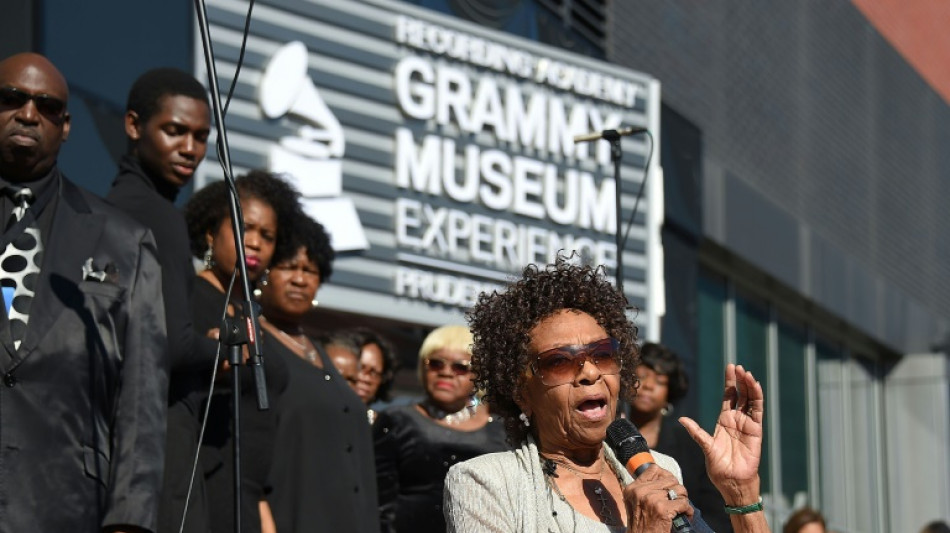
{"x": 734, "y": 449}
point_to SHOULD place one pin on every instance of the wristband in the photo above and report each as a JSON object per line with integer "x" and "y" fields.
{"x": 745, "y": 509}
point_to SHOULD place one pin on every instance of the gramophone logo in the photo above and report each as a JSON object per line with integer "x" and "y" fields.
{"x": 312, "y": 158}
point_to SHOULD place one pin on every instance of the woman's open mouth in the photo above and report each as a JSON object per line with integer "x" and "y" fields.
{"x": 593, "y": 409}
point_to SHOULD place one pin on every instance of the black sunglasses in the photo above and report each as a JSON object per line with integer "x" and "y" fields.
{"x": 49, "y": 106}
{"x": 459, "y": 368}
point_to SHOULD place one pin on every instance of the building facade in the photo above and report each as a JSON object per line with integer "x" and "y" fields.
{"x": 792, "y": 221}
{"x": 804, "y": 166}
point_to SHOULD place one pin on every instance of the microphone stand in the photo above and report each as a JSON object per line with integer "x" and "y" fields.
{"x": 245, "y": 328}
{"x": 616, "y": 155}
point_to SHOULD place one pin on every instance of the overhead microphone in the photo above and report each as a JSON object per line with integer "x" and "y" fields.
{"x": 632, "y": 451}
{"x": 616, "y": 154}
{"x": 608, "y": 134}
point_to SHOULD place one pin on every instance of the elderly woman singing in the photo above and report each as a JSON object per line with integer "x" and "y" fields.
{"x": 555, "y": 353}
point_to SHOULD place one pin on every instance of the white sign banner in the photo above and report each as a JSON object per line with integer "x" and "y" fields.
{"x": 440, "y": 154}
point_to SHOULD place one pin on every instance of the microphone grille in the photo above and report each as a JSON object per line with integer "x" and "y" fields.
{"x": 625, "y": 439}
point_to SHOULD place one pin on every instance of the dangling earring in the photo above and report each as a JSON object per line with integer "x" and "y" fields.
{"x": 314, "y": 303}
{"x": 261, "y": 283}
{"x": 208, "y": 259}
{"x": 525, "y": 420}
{"x": 667, "y": 410}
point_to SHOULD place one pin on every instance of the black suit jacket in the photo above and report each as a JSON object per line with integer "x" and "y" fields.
{"x": 150, "y": 201}
{"x": 83, "y": 400}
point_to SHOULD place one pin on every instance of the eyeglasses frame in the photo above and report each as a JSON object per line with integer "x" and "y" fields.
{"x": 615, "y": 344}
{"x": 467, "y": 364}
{"x": 38, "y": 100}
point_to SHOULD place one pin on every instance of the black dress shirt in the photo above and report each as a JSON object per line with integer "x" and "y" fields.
{"x": 44, "y": 187}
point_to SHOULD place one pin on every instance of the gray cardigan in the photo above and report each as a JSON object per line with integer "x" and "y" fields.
{"x": 507, "y": 492}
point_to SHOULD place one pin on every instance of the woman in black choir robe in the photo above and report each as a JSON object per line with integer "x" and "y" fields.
{"x": 268, "y": 204}
{"x": 322, "y": 477}
{"x": 417, "y": 444}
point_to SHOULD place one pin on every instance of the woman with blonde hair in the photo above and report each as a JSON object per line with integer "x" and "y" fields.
{"x": 416, "y": 444}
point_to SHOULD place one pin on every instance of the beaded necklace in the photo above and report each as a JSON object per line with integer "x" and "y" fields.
{"x": 549, "y": 467}
{"x": 455, "y": 418}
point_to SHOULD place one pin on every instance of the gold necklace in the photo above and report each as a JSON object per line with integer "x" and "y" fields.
{"x": 308, "y": 353}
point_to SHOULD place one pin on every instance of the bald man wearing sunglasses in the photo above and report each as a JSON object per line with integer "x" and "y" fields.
{"x": 82, "y": 332}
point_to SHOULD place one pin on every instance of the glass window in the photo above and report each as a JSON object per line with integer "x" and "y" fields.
{"x": 823, "y": 435}
{"x": 752, "y": 349}
{"x": 835, "y": 485}
{"x": 865, "y": 414}
{"x": 710, "y": 366}
{"x": 792, "y": 403}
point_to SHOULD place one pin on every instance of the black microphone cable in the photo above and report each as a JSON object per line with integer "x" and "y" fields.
{"x": 207, "y": 409}
{"x": 219, "y": 148}
{"x": 636, "y": 203}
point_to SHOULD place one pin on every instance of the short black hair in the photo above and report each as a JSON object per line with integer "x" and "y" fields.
{"x": 938, "y": 526}
{"x": 305, "y": 232}
{"x": 365, "y": 337}
{"x": 341, "y": 339}
{"x": 209, "y": 206}
{"x": 665, "y": 362}
{"x": 148, "y": 90}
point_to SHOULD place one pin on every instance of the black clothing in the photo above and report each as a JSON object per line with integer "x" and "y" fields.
{"x": 413, "y": 455}
{"x": 258, "y": 428}
{"x": 83, "y": 406}
{"x": 20, "y": 273}
{"x": 675, "y": 441}
{"x": 45, "y": 191}
{"x": 150, "y": 201}
{"x": 323, "y": 477}
{"x": 207, "y": 306}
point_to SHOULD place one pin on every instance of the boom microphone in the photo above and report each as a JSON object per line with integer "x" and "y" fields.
{"x": 632, "y": 451}
{"x": 608, "y": 134}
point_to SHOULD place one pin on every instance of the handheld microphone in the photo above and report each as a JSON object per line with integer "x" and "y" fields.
{"x": 608, "y": 134}
{"x": 632, "y": 451}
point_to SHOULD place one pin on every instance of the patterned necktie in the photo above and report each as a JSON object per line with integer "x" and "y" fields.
{"x": 20, "y": 265}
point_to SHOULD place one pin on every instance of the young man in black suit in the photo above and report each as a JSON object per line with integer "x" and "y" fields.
{"x": 167, "y": 122}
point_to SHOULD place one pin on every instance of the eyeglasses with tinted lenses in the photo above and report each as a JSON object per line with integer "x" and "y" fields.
{"x": 49, "y": 106}
{"x": 459, "y": 368}
{"x": 371, "y": 373}
{"x": 561, "y": 365}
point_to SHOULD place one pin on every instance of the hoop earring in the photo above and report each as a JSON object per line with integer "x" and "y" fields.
{"x": 525, "y": 420}
{"x": 208, "y": 259}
